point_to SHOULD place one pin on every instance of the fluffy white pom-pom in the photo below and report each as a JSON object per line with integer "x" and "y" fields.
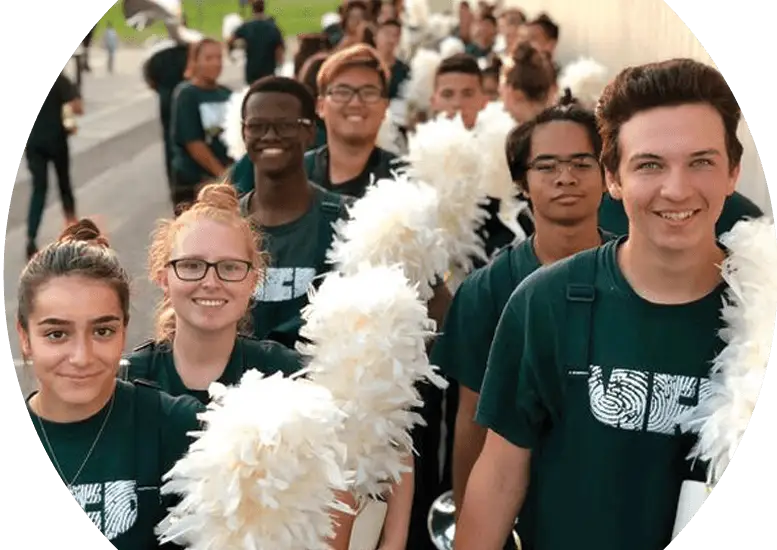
{"x": 232, "y": 136}
{"x": 586, "y": 78}
{"x": 440, "y": 25}
{"x": 493, "y": 125}
{"x": 389, "y": 137}
{"x": 417, "y": 13}
{"x": 329, "y": 19}
{"x": 230, "y": 24}
{"x": 445, "y": 155}
{"x": 263, "y": 471}
{"x": 737, "y": 373}
{"x": 451, "y": 46}
{"x": 394, "y": 223}
{"x": 368, "y": 333}
{"x": 420, "y": 86}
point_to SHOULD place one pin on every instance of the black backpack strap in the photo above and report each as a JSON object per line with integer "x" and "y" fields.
{"x": 580, "y": 297}
{"x": 145, "y": 351}
{"x": 148, "y": 406}
{"x": 333, "y": 208}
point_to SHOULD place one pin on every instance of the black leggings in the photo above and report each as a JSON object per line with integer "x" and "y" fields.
{"x": 38, "y": 159}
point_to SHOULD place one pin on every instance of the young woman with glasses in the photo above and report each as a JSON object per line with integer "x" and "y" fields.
{"x": 207, "y": 264}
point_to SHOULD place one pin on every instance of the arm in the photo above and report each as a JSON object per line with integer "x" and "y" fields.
{"x": 513, "y": 407}
{"x": 400, "y": 503}
{"x": 439, "y": 304}
{"x": 343, "y": 523}
{"x": 495, "y": 492}
{"x": 468, "y": 441}
{"x": 203, "y": 156}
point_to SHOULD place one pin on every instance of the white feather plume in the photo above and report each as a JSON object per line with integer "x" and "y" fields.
{"x": 491, "y": 129}
{"x": 445, "y": 155}
{"x": 420, "y": 86}
{"x": 389, "y": 138}
{"x": 417, "y": 13}
{"x": 738, "y": 371}
{"x": 395, "y": 223}
{"x": 368, "y": 332}
{"x": 263, "y": 471}
{"x": 586, "y": 79}
{"x": 440, "y": 25}
{"x": 230, "y": 24}
{"x": 232, "y": 136}
{"x": 329, "y": 19}
{"x": 451, "y": 45}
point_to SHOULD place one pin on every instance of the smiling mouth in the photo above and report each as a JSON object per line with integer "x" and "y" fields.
{"x": 271, "y": 152}
{"x": 355, "y": 118}
{"x": 678, "y": 216}
{"x": 209, "y": 303}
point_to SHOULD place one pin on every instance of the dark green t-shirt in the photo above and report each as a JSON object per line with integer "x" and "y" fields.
{"x": 155, "y": 363}
{"x": 145, "y": 435}
{"x": 596, "y": 389}
{"x": 262, "y": 38}
{"x": 461, "y": 351}
{"x": 476, "y": 51}
{"x": 242, "y": 175}
{"x": 198, "y": 115}
{"x": 48, "y": 130}
{"x": 379, "y": 165}
{"x": 612, "y": 216}
{"x": 297, "y": 259}
{"x": 400, "y": 72}
{"x": 166, "y": 70}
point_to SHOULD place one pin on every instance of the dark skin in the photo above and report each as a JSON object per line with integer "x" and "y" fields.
{"x": 282, "y": 192}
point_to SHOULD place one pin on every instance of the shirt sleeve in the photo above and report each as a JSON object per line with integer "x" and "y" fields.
{"x": 187, "y": 126}
{"x": 240, "y": 32}
{"x": 180, "y": 421}
{"x": 461, "y": 350}
{"x": 521, "y": 369}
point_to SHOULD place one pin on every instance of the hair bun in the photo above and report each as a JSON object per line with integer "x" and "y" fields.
{"x": 568, "y": 99}
{"x": 84, "y": 230}
{"x": 219, "y": 195}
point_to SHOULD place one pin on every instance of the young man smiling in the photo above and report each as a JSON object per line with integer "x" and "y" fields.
{"x": 293, "y": 215}
{"x": 597, "y": 357}
{"x": 353, "y": 99}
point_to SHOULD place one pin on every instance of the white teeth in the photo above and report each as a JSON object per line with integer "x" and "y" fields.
{"x": 676, "y": 216}
{"x": 355, "y": 118}
{"x": 272, "y": 151}
{"x": 210, "y": 303}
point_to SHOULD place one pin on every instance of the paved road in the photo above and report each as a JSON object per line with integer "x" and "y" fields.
{"x": 118, "y": 177}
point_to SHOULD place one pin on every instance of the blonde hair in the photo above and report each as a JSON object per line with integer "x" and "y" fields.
{"x": 358, "y": 55}
{"x": 217, "y": 202}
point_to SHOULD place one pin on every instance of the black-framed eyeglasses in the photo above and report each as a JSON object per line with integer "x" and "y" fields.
{"x": 550, "y": 166}
{"x": 344, "y": 94}
{"x": 282, "y": 128}
{"x": 195, "y": 269}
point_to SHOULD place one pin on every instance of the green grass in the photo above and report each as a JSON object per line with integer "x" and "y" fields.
{"x": 293, "y": 17}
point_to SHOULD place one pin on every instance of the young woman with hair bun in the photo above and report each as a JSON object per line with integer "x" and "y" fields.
{"x": 109, "y": 440}
{"x": 528, "y": 83}
{"x": 206, "y": 264}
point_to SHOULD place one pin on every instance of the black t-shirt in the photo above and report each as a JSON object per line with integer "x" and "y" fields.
{"x": 379, "y": 166}
{"x": 49, "y": 129}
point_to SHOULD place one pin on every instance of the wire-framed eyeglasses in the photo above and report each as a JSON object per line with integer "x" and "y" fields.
{"x": 550, "y": 166}
{"x": 195, "y": 269}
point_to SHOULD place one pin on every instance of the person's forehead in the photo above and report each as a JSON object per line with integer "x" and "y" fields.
{"x": 673, "y": 131}
{"x": 356, "y": 75}
{"x": 274, "y": 103}
{"x": 561, "y": 138}
{"x": 455, "y": 80}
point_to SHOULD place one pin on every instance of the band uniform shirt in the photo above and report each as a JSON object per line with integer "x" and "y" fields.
{"x": 610, "y": 458}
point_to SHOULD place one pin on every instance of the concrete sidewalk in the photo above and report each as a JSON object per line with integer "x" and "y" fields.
{"x": 121, "y": 116}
